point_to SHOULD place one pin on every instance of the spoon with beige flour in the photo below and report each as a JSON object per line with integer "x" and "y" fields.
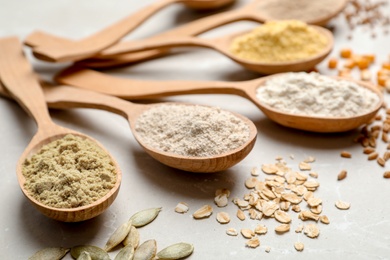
{"x": 190, "y": 158}
{"x": 58, "y": 49}
{"x": 267, "y": 65}
{"x": 142, "y": 89}
{"x": 318, "y": 12}
{"x": 17, "y": 77}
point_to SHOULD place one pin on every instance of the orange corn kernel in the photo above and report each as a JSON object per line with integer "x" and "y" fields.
{"x": 369, "y": 57}
{"x": 346, "y": 53}
{"x": 383, "y": 72}
{"x": 386, "y": 65}
{"x": 382, "y": 80}
{"x": 350, "y": 63}
{"x": 332, "y": 63}
{"x": 363, "y": 63}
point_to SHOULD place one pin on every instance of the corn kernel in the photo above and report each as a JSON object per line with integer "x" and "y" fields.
{"x": 369, "y": 57}
{"x": 346, "y": 53}
{"x": 363, "y": 63}
{"x": 383, "y": 72}
{"x": 350, "y": 63}
{"x": 386, "y": 65}
{"x": 382, "y": 80}
{"x": 332, "y": 63}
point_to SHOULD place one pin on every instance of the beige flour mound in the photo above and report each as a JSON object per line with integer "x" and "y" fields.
{"x": 191, "y": 130}
{"x": 68, "y": 173}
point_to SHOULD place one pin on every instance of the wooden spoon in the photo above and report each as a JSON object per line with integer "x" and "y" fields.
{"x": 57, "y": 49}
{"x": 249, "y": 11}
{"x": 138, "y": 89}
{"x": 223, "y": 45}
{"x": 68, "y": 97}
{"x": 19, "y": 80}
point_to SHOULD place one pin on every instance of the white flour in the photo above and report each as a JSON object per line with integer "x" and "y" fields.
{"x": 191, "y": 130}
{"x": 316, "y": 95}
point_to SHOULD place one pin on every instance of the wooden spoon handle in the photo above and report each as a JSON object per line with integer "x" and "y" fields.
{"x": 142, "y": 89}
{"x": 18, "y": 78}
{"x": 56, "y": 50}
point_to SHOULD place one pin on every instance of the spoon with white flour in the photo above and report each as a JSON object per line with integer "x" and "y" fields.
{"x": 178, "y": 135}
{"x": 19, "y": 80}
{"x": 134, "y": 89}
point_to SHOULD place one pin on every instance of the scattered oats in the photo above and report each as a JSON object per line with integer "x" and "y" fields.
{"x": 240, "y": 214}
{"x": 306, "y": 215}
{"x": 253, "y": 214}
{"x": 313, "y": 174}
{"x": 292, "y": 197}
{"x": 203, "y": 212}
{"x": 299, "y": 229}
{"x": 253, "y": 242}
{"x": 261, "y": 229}
{"x": 299, "y": 246}
{"x": 181, "y": 207}
{"x": 372, "y": 156}
{"x": 308, "y": 195}
{"x": 223, "y": 217}
{"x": 242, "y": 203}
{"x": 221, "y": 200}
{"x": 282, "y": 228}
{"x": 324, "y": 219}
{"x": 279, "y": 158}
{"x": 342, "y": 204}
{"x": 231, "y": 232}
{"x": 285, "y": 205}
{"x": 342, "y": 175}
{"x": 311, "y": 230}
{"x": 296, "y": 208}
{"x": 269, "y": 208}
{"x": 311, "y": 184}
{"x": 282, "y": 216}
{"x": 317, "y": 209}
{"x": 381, "y": 161}
{"x": 386, "y": 175}
{"x": 299, "y": 190}
{"x": 268, "y": 249}
{"x": 254, "y": 171}
{"x": 247, "y": 233}
{"x": 292, "y": 157}
{"x": 310, "y": 159}
{"x": 304, "y": 166}
{"x": 300, "y": 176}
{"x": 313, "y": 202}
{"x": 269, "y": 168}
{"x": 346, "y": 154}
{"x": 251, "y": 182}
{"x": 222, "y": 191}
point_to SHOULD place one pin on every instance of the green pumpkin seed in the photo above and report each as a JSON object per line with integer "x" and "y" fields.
{"x": 132, "y": 238}
{"x": 146, "y": 251}
{"x": 50, "y": 253}
{"x": 84, "y": 256}
{"x": 95, "y": 252}
{"x": 126, "y": 253}
{"x": 176, "y": 251}
{"x": 118, "y": 236}
{"x": 144, "y": 217}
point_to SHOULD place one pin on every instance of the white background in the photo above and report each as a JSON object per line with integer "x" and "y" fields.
{"x": 363, "y": 232}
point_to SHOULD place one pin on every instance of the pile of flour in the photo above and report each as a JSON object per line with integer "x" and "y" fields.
{"x": 316, "y": 95}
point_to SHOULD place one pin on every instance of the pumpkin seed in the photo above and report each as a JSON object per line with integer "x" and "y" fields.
{"x": 176, "y": 251}
{"x": 146, "y": 251}
{"x": 118, "y": 236}
{"x": 299, "y": 246}
{"x": 132, "y": 238}
{"x": 126, "y": 253}
{"x": 84, "y": 256}
{"x": 94, "y": 251}
{"x": 144, "y": 217}
{"x": 50, "y": 253}
{"x": 203, "y": 212}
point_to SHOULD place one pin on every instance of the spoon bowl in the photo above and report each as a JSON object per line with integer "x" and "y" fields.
{"x": 207, "y": 4}
{"x": 223, "y": 45}
{"x": 139, "y": 89}
{"x": 18, "y": 79}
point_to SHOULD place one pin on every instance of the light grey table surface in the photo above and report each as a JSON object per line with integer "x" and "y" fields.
{"x": 363, "y": 232}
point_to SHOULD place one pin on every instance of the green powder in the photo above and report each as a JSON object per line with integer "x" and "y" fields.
{"x": 70, "y": 172}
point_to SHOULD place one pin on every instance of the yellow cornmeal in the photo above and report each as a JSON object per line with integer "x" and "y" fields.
{"x": 68, "y": 173}
{"x": 278, "y": 41}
